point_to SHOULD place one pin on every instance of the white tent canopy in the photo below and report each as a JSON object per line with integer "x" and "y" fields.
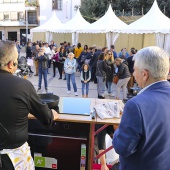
{"x": 77, "y": 22}
{"x": 53, "y": 22}
{"x": 104, "y": 25}
{"x": 152, "y": 22}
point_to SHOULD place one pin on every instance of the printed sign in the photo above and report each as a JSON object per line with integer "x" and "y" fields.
{"x": 45, "y": 162}
{"x": 83, "y": 157}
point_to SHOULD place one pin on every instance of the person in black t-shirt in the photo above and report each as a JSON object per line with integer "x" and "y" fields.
{"x": 18, "y": 99}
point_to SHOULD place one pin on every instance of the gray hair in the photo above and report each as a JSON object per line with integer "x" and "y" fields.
{"x": 7, "y": 52}
{"x": 153, "y": 59}
{"x": 72, "y": 54}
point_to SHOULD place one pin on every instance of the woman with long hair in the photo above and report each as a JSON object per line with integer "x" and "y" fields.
{"x": 101, "y": 69}
{"x": 62, "y": 59}
{"x": 109, "y": 79}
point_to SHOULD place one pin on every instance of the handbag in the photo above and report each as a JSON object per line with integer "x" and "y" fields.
{"x": 115, "y": 79}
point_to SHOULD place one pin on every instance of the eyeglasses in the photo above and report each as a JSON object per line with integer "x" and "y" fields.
{"x": 14, "y": 64}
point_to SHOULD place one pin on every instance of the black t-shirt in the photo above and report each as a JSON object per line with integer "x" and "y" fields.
{"x": 18, "y": 98}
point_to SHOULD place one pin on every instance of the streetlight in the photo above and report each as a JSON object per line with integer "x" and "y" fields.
{"x": 26, "y": 19}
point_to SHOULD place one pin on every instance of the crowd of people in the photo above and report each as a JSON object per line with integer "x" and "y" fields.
{"x": 95, "y": 64}
{"x": 141, "y": 139}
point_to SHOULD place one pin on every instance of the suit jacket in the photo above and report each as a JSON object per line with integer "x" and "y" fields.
{"x": 143, "y": 137}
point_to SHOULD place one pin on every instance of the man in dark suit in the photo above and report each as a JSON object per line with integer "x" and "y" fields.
{"x": 143, "y": 137}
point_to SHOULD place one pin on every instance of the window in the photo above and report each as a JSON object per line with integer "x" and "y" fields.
{"x": 57, "y": 4}
{"x": 6, "y": 15}
{"x": 14, "y": 1}
{"x": 14, "y": 16}
{"x": 32, "y": 17}
{"x": 6, "y": 1}
{"x": 20, "y": 16}
{"x": 1, "y": 16}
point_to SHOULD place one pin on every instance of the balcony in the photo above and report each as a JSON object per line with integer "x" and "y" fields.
{"x": 32, "y": 3}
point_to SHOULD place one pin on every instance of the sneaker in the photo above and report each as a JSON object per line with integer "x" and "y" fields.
{"x": 68, "y": 92}
{"x": 60, "y": 78}
{"x": 111, "y": 95}
{"x": 101, "y": 97}
{"x": 76, "y": 94}
{"x": 46, "y": 90}
{"x": 38, "y": 89}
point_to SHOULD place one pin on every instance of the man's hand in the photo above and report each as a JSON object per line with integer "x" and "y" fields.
{"x": 55, "y": 114}
{"x": 115, "y": 127}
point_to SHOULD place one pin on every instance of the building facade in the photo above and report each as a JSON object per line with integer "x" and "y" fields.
{"x": 65, "y": 9}
{"x": 17, "y": 17}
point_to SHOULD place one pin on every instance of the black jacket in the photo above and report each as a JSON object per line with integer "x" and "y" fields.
{"x": 18, "y": 99}
{"x": 102, "y": 68}
{"x": 110, "y": 73}
{"x": 28, "y": 52}
{"x": 42, "y": 61}
{"x": 130, "y": 64}
{"x": 123, "y": 70}
{"x": 94, "y": 60}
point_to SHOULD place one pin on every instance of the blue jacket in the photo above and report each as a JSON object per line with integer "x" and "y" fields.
{"x": 70, "y": 66}
{"x": 143, "y": 137}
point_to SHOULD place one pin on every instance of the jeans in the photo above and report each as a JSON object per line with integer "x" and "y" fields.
{"x": 87, "y": 88}
{"x": 42, "y": 72}
{"x": 109, "y": 88}
{"x": 100, "y": 85}
{"x": 72, "y": 78}
{"x": 122, "y": 83}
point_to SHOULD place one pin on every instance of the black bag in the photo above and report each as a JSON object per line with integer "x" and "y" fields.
{"x": 115, "y": 166}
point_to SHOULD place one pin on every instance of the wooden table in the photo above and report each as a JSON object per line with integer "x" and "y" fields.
{"x": 89, "y": 120}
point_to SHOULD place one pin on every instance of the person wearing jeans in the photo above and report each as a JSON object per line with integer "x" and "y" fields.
{"x": 124, "y": 77}
{"x": 101, "y": 69}
{"x": 85, "y": 79}
{"x": 42, "y": 68}
{"x": 70, "y": 69}
{"x": 109, "y": 79}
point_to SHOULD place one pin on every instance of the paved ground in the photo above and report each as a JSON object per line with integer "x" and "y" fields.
{"x": 59, "y": 87}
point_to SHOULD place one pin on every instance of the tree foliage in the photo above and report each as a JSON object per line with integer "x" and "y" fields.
{"x": 94, "y": 9}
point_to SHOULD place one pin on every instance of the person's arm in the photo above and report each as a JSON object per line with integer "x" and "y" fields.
{"x": 81, "y": 76}
{"x": 39, "y": 109}
{"x": 120, "y": 70}
{"x": 106, "y": 68}
{"x": 65, "y": 64}
{"x": 128, "y": 135}
{"x": 45, "y": 57}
